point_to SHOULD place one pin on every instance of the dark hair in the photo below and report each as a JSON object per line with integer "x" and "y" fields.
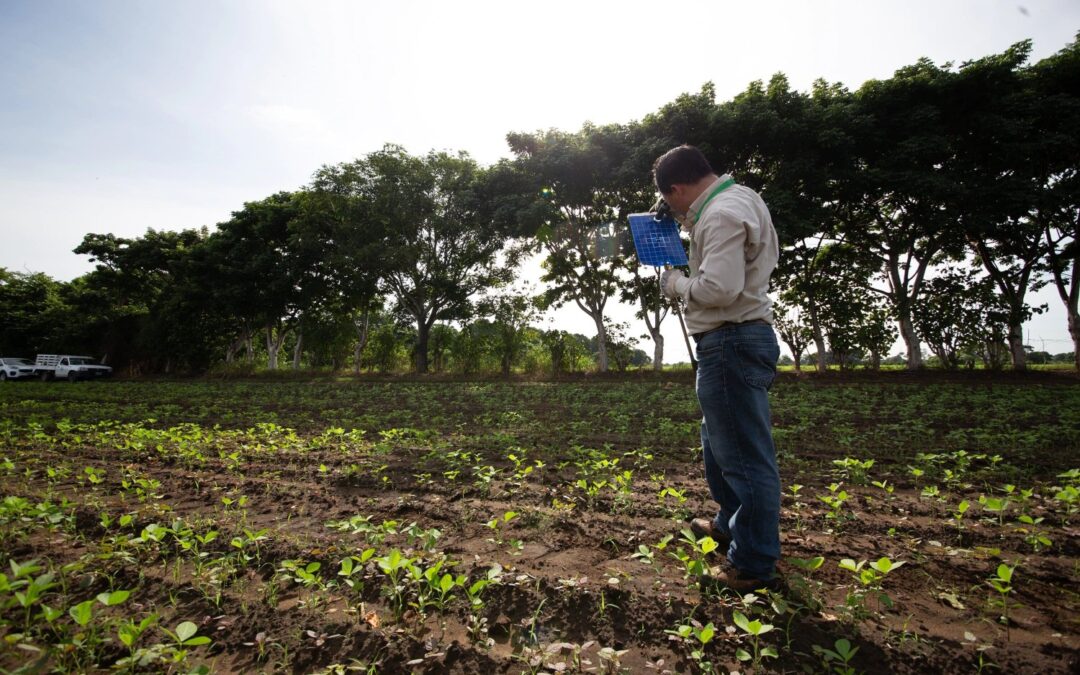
{"x": 682, "y": 165}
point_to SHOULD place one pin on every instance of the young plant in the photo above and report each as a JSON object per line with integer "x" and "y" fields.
{"x": 1002, "y": 583}
{"x": 838, "y": 659}
{"x": 498, "y": 524}
{"x": 1035, "y": 538}
{"x": 696, "y": 637}
{"x": 755, "y": 629}
{"x": 958, "y": 516}
{"x": 870, "y": 577}
{"x": 835, "y": 500}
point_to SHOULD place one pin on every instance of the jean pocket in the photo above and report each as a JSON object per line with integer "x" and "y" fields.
{"x": 757, "y": 362}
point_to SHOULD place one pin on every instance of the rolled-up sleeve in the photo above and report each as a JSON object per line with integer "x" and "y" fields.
{"x": 720, "y": 277}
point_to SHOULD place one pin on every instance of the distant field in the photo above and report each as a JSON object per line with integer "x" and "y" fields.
{"x": 457, "y": 526}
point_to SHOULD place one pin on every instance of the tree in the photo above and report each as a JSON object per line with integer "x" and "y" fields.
{"x": 132, "y": 292}
{"x": 992, "y": 114}
{"x": 1055, "y": 82}
{"x": 441, "y": 249}
{"x": 339, "y": 226}
{"x": 35, "y": 313}
{"x": 787, "y": 320}
{"x": 959, "y": 314}
{"x": 511, "y": 314}
{"x": 582, "y": 193}
{"x": 253, "y": 273}
{"x": 891, "y": 202}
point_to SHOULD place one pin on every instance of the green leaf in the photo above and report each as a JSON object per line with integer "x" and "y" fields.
{"x": 196, "y": 641}
{"x": 185, "y": 630}
{"x": 843, "y": 648}
{"x": 742, "y": 655}
{"x": 82, "y": 612}
{"x": 705, "y": 635}
{"x": 741, "y": 621}
{"x": 708, "y": 544}
{"x": 113, "y": 598}
{"x": 1004, "y": 572}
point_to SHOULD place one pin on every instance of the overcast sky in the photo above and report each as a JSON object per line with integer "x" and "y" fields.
{"x": 121, "y": 116}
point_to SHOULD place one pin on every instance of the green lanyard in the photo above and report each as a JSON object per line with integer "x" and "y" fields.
{"x": 719, "y": 188}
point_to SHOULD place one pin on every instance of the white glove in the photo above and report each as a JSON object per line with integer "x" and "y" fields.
{"x": 669, "y": 281}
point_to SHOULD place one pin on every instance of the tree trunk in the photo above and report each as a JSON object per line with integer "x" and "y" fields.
{"x": 298, "y": 350}
{"x": 658, "y": 351}
{"x": 361, "y": 339}
{"x": 420, "y": 356}
{"x": 601, "y": 342}
{"x": 273, "y": 346}
{"x": 911, "y": 341}
{"x": 1016, "y": 347}
{"x": 819, "y": 338}
{"x": 797, "y": 358}
{"x": 1074, "y": 332}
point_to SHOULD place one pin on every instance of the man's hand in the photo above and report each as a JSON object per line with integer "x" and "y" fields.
{"x": 669, "y": 281}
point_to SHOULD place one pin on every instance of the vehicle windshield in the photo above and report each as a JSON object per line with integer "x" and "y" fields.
{"x": 18, "y": 362}
{"x": 81, "y": 361}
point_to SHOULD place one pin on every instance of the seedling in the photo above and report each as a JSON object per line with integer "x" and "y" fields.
{"x": 958, "y": 516}
{"x": 185, "y": 635}
{"x": 755, "y": 629}
{"x": 854, "y": 470}
{"x": 352, "y": 570}
{"x": 803, "y": 586}
{"x": 835, "y": 500}
{"x": 695, "y": 566}
{"x": 838, "y": 659}
{"x": 1002, "y": 583}
{"x": 678, "y": 511}
{"x": 1033, "y": 536}
{"x": 995, "y": 505}
{"x": 797, "y": 506}
{"x": 695, "y": 637}
{"x": 870, "y": 577}
{"x": 498, "y": 525}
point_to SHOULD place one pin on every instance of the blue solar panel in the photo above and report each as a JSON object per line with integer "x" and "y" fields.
{"x": 657, "y": 241}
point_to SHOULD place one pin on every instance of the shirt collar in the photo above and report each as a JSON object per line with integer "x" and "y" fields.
{"x": 687, "y": 222}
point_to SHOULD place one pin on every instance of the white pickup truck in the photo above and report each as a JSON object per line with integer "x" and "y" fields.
{"x": 67, "y": 367}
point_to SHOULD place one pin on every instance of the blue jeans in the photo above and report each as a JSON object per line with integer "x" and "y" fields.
{"x": 736, "y": 367}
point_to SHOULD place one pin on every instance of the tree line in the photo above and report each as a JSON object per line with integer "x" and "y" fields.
{"x": 928, "y": 206}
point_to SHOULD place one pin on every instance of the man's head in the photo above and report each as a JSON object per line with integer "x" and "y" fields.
{"x": 681, "y": 174}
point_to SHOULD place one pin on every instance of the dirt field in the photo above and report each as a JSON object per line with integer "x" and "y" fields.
{"x": 464, "y": 527}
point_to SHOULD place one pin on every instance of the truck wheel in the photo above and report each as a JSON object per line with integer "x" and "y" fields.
{"x": 45, "y": 376}
{"x": 73, "y": 378}
{"x": 3, "y": 376}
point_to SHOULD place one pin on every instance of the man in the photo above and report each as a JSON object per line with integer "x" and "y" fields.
{"x": 733, "y": 250}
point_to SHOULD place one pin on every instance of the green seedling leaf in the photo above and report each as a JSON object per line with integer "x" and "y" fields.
{"x": 741, "y": 621}
{"x": 186, "y": 630}
{"x": 113, "y": 598}
{"x": 809, "y": 564}
{"x": 884, "y": 565}
{"x": 82, "y": 612}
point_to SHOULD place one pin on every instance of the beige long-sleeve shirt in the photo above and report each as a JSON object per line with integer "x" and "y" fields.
{"x": 733, "y": 251}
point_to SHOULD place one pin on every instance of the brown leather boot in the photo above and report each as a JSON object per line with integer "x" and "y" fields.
{"x": 703, "y": 527}
{"x": 726, "y": 576}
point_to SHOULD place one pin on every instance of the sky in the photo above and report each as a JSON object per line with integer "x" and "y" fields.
{"x": 118, "y": 116}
